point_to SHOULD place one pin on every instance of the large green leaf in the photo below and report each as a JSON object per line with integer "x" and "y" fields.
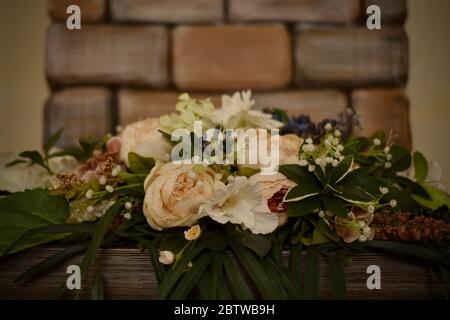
{"x": 25, "y": 211}
{"x": 300, "y": 192}
{"x": 237, "y": 282}
{"x": 335, "y": 265}
{"x": 298, "y": 174}
{"x": 258, "y": 243}
{"x": 401, "y": 159}
{"x": 420, "y": 166}
{"x": 341, "y": 170}
{"x": 334, "y": 204}
{"x": 438, "y": 197}
{"x": 305, "y": 206}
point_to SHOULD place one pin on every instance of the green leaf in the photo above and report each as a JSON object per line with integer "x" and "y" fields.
{"x": 335, "y": 265}
{"x": 214, "y": 240}
{"x": 98, "y": 288}
{"x": 14, "y": 162}
{"x": 302, "y": 207}
{"x": 25, "y": 211}
{"x": 294, "y": 266}
{"x": 334, "y": 204}
{"x": 341, "y": 170}
{"x": 157, "y": 266}
{"x": 176, "y": 271}
{"x": 52, "y": 141}
{"x": 258, "y": 243}
{"x": 438, "y": 197}
{"x": 192, "y": 276}
{"x": 52, "y": 261}
{"x": 301, "y": 191}
{"x": 401, "y": 159}
{"x": 409, "y": 250}
{"x": 420, "y": 166}
{"x": 34, "y": 156}
{"x": 139, "y": 164}
{"x": 53, "y": 229}
{"x": 299, "y": 174}
{"x": 256, "y": 272}
{"x": 311, "y": 280}
{"x": 99, "y": 233}
{"x": 237, "y": 282}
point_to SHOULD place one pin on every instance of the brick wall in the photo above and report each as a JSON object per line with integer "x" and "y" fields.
{"x": 132, "y": 58}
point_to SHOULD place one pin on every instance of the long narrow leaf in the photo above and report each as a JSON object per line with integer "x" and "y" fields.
{"x": 99, "y": 234}
{"x": 98, "y": 289}
{"x": 157, "y": 266}
{"x": 335, "y": 265}
{"x": 294, "y": 266}
{"x": 410, "y": 250}
{"x": 191, "y": 278}
{"x": 237, "y": 282}
{"x": 44, "y": 265}
{"x": 255, "y": 270}
{"x": 312, "y": 274}
{"x": 174, "y": 274}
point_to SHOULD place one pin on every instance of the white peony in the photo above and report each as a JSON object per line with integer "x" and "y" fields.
{"x": 143, "y": 138}
{"x": 21, "y": 177}
{"x": 236, "y": 113}
{"x": 241, "y": 202}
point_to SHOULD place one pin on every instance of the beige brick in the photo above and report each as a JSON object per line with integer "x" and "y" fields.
{"x": 91, "y": 10}
{"x": 351, "y": 57}
{"x": 231, "y": 57}
{"x": 171, "y": 11}
{"x": 108, "y": 54}
{"x": 83, "y": 112}
{"x": 323, "y": 11}
{"x": 392, "y": 11}
{"x": 383, "y": 109}
{"x": 318, "y": 104}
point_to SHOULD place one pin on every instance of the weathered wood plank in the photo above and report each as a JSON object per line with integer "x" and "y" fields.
{"x": 128, "y": 275}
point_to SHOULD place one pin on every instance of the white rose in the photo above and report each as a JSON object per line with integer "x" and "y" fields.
{"x": 174, "y": 193}
{"x": 143, "y": 138}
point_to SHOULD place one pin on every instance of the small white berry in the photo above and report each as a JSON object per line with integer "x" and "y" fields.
{"x": 384, "y": 190}
{"x": 337, "y": 133}
{"x": 386, "y": 150}
{"x": 371, "y": 208}
{"x": 311, "y": 168}
{"x": 387, "y": 165}
{"x": 116, "y": 171}
{"x": 89, "y": 194}
{"x": 127, "y": 216}
{"x": 318, "y": 161}
{"x": 128, "y": 205}
{"x": 321, "y": 214}
{"x": 328, "y": 126}
{"x": 166, "y": 257}
{"x": 309, "y": 141}
{"x": 361, "y": 223}
{"x": 328, "y": 159}
{"x": 340, "y": 147}
{"x": 393, "y": 203}
{"x": 189, "y": 265}
{"x": 109, "y": 188}
{"x": 376, "y": 142}
{"x": 335, "y": 163}
{"x": 335, "y": 141}
{"x": 389, "y": 157}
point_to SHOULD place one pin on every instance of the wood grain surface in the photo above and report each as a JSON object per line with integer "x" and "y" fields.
{"x": 128, "y": 275}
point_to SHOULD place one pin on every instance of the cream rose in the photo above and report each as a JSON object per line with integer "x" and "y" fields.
{"x": 143, "y": 138}
{"x": 289, "y": 148}
{"x": 174, "y": 193}
{"x": 270, "y": 186}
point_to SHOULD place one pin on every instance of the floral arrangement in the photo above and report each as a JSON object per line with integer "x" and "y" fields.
{"x": 329, "y": 195}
